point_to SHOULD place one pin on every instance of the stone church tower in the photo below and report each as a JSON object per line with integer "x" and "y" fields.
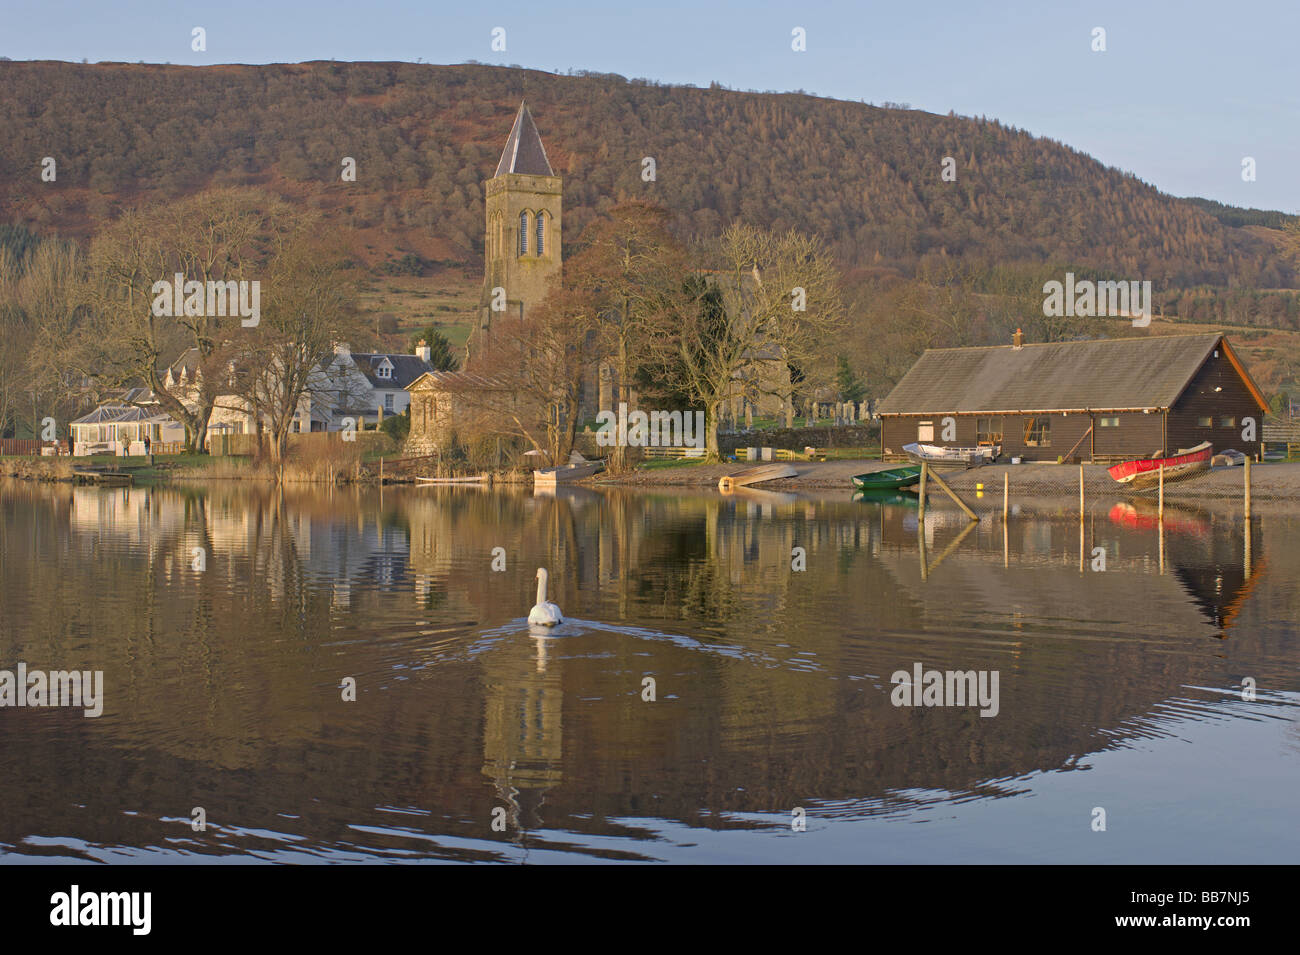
{"x": 522, "y": 250}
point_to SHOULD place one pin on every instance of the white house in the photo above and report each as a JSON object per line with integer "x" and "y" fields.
{"x": 121, "y": 425}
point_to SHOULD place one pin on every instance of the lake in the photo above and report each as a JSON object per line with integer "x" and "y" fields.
{"x": 722, "y": 688}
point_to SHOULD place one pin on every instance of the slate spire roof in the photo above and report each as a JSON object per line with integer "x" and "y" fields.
{"x": 524, "y": 152}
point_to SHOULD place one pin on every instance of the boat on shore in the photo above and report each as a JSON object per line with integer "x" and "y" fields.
{"x": 949, "y": 459}
{"x": 890, "y": 479}
{"x": 764, "y": 472}
{"x": 467, "y": 479}
{"x": 1145, "y": 472}
{"x": 566, "y": 473}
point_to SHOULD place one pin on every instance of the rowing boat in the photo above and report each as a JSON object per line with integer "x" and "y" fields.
{"x": 947, "y": 459}
{"x": 1145, "y": 472}
{"x": 566, "y": 474}
{"x": 890, "y": 479}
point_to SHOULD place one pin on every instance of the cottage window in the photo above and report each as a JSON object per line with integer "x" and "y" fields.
{"x": 1205, "y": 421}
{"x": 988, "y": 431}
{"x": 1109, "y": 422}
{"x": 1038, "y": 432}
{"x": 1227, "y": 421}
{"x": 523, "y": 233}
{"x": 385, "y": 371}
{"x": 388, "y": 401}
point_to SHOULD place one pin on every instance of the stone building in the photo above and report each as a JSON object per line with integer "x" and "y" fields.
{"x": 522, "y": 247}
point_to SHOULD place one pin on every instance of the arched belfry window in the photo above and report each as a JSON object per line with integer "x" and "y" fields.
{"x": 523, "y": 233}
{"x": 541, "y": 234}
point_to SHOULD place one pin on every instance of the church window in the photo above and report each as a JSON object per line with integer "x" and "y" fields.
{"x": 523, "y": 233}
{"x": 541, "y": 234}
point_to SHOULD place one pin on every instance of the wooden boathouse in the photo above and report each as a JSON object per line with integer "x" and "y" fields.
{"x": 1100, "y": 401}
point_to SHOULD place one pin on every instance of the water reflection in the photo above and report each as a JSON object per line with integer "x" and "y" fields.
{"x": 771, "y": 684}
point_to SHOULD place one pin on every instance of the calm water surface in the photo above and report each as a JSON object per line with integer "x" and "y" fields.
{"x": 1119, "y": 689}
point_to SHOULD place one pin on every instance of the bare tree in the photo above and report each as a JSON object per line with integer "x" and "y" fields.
{"x": 212, "y": 237}
{"x": 310, "y": 304}
{"x": 533, "y": 372}
{"x": 778, "y": 301}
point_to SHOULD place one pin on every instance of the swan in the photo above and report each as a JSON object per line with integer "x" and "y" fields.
{"x": 545, "y": 613}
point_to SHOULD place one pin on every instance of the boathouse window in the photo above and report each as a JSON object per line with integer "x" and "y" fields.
{"x": 988, "y": 431}
{"x": 1227, "y": 421}
{"x": 1038, "y": 432}
{"x": 925, "y": 431}
{"x": 1109, "y": 422}
{"x": 541, "y": 234}
{"x": 1205, "y": 421}
{"x": 523, "y": 233}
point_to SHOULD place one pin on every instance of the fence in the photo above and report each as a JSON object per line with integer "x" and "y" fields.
{"x": 26, "y": 446}
{"x": 652, "y": 454}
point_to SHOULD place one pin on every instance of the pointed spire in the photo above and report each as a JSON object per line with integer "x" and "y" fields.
{"x": 524, "y": 152}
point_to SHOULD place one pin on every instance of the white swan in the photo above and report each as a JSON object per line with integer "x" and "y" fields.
{"x": 544, "y": 613}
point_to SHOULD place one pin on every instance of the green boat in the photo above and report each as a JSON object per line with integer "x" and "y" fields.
{"x": 888, "y": 480}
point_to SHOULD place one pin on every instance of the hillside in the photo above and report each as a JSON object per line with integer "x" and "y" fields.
{"x": 425, "y": 137}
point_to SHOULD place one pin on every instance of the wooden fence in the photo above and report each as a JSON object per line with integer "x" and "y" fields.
{"x": 26, "y": 446}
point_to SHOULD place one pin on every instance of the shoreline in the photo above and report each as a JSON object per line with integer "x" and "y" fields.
{"x": 1269, "y": 481}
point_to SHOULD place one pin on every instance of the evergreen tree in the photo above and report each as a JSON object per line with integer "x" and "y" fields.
{"x": 441, "y": 354}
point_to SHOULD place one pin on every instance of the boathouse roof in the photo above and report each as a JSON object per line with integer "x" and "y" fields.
{"x": 1113, "y": 374}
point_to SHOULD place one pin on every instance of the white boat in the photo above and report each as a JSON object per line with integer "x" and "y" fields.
{"x": 566, "y": 474}
{"x": 468, "y": 479}
{"x": 943, "y": 458}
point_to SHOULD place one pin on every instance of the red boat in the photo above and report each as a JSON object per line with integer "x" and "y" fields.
{"x": 1145, "y": 472}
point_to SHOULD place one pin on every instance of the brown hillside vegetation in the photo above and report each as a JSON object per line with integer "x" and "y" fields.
{"x": 425, "y": 137}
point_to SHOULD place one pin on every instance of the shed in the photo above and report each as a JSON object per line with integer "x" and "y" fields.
{"x": 1099, "y": 401}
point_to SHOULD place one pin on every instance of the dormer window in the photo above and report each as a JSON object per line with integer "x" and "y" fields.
{"x": 385, "y": 369}
{"x": 523, "y": 233}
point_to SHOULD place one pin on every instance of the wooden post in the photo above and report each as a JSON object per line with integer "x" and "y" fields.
{"x": 943, "y": 486}
{"x": 1247, "y": 488}
{"x": 1248, "y": 567}
{"x": 925, "y": 473}
{"x": 1161, "y": 510}
{"x": 1161, "y": 529}
{"x": 1080, "y": 493}
{"x": 1006, "y": 495}
{"x": 381, "y": 471}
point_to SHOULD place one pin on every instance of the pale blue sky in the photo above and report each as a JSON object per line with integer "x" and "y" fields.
{"x": 1184, "y": 91}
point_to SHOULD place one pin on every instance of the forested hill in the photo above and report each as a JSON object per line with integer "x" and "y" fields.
{"x": 425, "y": 137}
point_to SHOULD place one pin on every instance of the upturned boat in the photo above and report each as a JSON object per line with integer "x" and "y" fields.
{"x": 764, "y": 472}
{"x": 1145, "y": 472}
{"x": 890, "y": 479}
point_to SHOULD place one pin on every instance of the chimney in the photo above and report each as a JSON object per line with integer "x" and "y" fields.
{"x": 423, "y": 351}
{"x": 1018, "y": 340}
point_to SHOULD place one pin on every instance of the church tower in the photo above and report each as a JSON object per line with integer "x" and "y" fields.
{"x": 521, "y": 248}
